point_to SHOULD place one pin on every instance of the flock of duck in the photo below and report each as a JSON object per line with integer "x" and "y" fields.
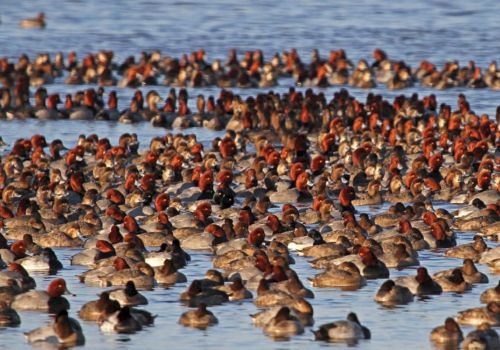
{"x": 249, "y": 71}
{"x": 284, "y": 182}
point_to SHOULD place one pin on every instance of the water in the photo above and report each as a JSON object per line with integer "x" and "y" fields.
{"x": 416, "y": 30}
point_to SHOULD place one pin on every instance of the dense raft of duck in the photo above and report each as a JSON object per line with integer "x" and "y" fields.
{"x": 283, "y": 183}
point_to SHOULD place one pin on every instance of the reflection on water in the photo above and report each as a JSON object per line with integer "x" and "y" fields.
{"x": 412, "y": 31}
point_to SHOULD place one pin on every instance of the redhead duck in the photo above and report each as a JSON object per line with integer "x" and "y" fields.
{"x": 200, "y": 318}
{"x": 476, "y": 316}
{"x": 349, "y": 330}
{"x": 64, "y": 332}
{"x": 50, "y": 301}
{"x": 46, "y": 261}
{"x": 398, "y": 257}
{"x": 268, "y": 297}
{"x": 452, "y": 281}
{"x": 484, "y": 337}
{"x": 301, "y": 309}
{"x": 468, "y": 251}
{"x": 283, "y": 325}
{"x": 422, "y": 284}
{"x": 372, "y": 267}
{"x": 8, "y": 316}
{"x": 346, "y": 276}
{"x": 9, "y": 290}
{"x": 491, "y": 294}
{"x": 471, "y": 274}
{"x": 19, "y": 275}
{"x": 92, "y": 310}
{"x": 121, "y": 321}
{"x": 38, "y": 22}
{"x": 129, "y": 296}
{"x": 449, "y": 333}
{"x": 236, "y": 290}
{"x": 391, "y": 294}
{"x": 168, "y": 274}
{"x": 196, "y": 295}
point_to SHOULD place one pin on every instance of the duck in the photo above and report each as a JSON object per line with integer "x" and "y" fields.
{"x": 200, "y": 318}
{"x": 491, "y": 294}
{"x": 484, "y": 337}
{"x": 196, "y": 295}
{"x": 168, "y": 274}
{"x": 283, "y": 325}
{"x": 422, "y": 284}
{"x": 50, "y": 301}
{"x": 45, "y": 261}
{"x": 346, "y": 275}
{"x": 390, "y": 294}
{"x": 92, "y": 310}
{"x": 349, "y": 330}
{"x": 449, "y": 333}
{"x": 64, "y": 332}
{"x": 128, "y": 296}
{"x": 476, "y": 316}
{"x": 236, "y": 290}
{"x": 301, "y": 309}
{"x": 472, "y": 250}
{"x": 38, "y": 22}
{"x": 19, "y": 275}
{"x": 8, "y": 316}
{"x": 452, "y": 281}
{"x": 121, "y": 321}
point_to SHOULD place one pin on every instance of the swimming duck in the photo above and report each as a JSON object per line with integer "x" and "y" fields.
{"x": 200, "y": 318}
{"x": 121, "y": 321}
{"x": 491, "y": 294}
{"x": 64, "y": 332}
{"x": 283, "y": 325}
{"x": 196, "y": 295}
{"x": 168, "y": 274}
{"x": 50, "y": 301}
{"x": 349, "y": 330}
{"x": 37, "y": 22}
{"x": 469, "y": 251}
{"x": 484, "y": 337}
{"x": 452, "y": 281}
{"x": 422, "y": 284}
{"x": 8, "y": 316}
{"x": 476, "y": 316}
{"x": 449, "y": 333}
{"x": 45, "y": 261}
{"x": 129, "y": 296}
{"x": 236, "y": 290}
{"x": 390, "y": 293}
{"x": 92, "y": 310}
{"x": 345, "y": 276}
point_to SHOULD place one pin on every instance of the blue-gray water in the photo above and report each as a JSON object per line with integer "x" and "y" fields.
{"x": 408, "y": 30}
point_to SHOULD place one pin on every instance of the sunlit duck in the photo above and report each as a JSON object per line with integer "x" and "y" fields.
{"x": 476, "y": 316}
{"x": 283, "y": 324}
{"x": 168, "y": 274}
{"x": 121, "y": 321}
{"x": 195, "y": 295}
{"x": 346, "y": 276}
{"x": 51, "y": 112}
{"x": 422, "y": 284}
{"x": 200, "y": 318}
{"x": 267, "y": 297}
{"x": 398, "y": 257}
{"x": 236, "y": 290}
{"x": 491, "y": 294}
{"x": 129, "y": 296}
{"x": 92, "y": 310}
{"x": 17, "y": 273}
{"x": 87, "y": 110}
{"x": 50, "y": 301}
{"x": 469, "y": 251}
{"x": 372, "y": 267}
{"x": 64, "y": 332}
{"x": 46, "y": 261}
{"x": 8, "y": 316}
{"x": 372, "y": 195}
{"x": 484, "y": 337}
{"x": 452, "y": 281}
{"x": 449, "y": 333}
{"x": 390, "y": 293}
{"x": 349, "y": 330}
{"x": 471, "y": 273}
{"x": 142, "y": 274}
{"x": 37, "y": 22}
